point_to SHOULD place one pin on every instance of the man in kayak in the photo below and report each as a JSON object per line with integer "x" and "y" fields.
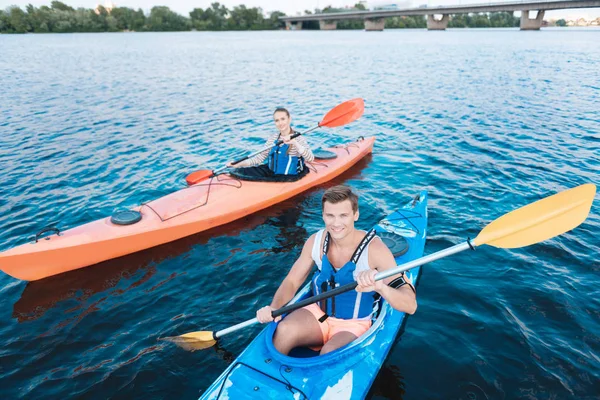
{"x": 286, "y": 162}
{"x": 342, "y": 254}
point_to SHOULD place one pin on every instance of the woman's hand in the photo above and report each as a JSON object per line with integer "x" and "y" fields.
{"x": 237, "y": 165}
{"x": 289, "y": 141}
{"x": 264, "y": 315}
{"x": 366, "y": 281}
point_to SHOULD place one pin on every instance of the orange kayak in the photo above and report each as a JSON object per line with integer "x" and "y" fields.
{"x": 210, "y": 203}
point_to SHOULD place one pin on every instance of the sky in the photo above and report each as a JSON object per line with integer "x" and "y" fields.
{"x": 290, "y": 7}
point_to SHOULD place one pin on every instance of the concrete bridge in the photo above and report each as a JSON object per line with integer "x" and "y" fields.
{"x": 375, "y": 20}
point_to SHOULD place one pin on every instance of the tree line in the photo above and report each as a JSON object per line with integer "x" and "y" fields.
{"x": 62, "y": 18}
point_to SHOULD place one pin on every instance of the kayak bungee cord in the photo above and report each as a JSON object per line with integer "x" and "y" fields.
{"x": 312, "y": 166}
{"x": 288, "y": 384}
{"x": 403, "y": 218}
{"x": 237, "y": 185}
{"x": 351, "y": 144}
{"x": 346, "y": 146}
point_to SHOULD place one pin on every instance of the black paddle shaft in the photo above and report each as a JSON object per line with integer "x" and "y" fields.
{"x": 330, "y": 293}
{"x": 295, "y": 135}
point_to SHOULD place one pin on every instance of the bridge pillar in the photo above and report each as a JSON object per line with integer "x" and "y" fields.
{"x": 533, "y": 24}
{"x": 293, "y": 26}
{"x": 437, "y": 25}
{"x": 327, "y": 25}
{"x": 374, "y": 24}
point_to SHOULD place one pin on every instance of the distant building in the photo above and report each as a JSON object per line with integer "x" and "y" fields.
{"x": 583, "y": 22}
{"x": 108, "y": 6}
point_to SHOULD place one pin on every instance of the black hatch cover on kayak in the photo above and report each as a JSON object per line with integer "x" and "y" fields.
{"x": 125, "y": 217}
{"x": 244, "y": 381}
{"x": 323, "y": 154}
{"x": 397, "y": 244}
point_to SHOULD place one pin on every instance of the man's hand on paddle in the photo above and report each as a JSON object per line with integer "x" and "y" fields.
{"x": 264, "y": 315}
{"x": 366, "y": 281}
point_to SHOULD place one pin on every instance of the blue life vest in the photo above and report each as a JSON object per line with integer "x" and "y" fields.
{"x": 283, "y": 164}
{"x": 349, "y": 305}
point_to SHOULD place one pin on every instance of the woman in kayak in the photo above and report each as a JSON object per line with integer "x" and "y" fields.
{"x": 286, "y": 161}
{"x": 342, "y": 254}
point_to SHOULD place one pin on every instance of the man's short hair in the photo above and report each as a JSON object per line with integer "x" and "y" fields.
{"x": 338, "y": 194}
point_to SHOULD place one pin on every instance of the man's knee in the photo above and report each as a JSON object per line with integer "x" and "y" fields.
{"x": 286, "y": 330}
{"x": 337, "y": 341}
{"x": 327, "y": 348}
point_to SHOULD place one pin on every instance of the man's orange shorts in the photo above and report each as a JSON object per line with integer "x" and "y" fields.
{"x": 332, "y": 325}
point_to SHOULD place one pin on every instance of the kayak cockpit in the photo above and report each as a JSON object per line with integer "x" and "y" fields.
{"x": 299, "y": 355}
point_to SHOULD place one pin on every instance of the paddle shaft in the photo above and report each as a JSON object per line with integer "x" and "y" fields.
{"x": 295, "y": 135}
{"x": 351, "y": 286}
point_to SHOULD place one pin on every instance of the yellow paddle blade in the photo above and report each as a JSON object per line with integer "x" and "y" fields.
{"x": 193, "y": 341}
{"x": 541, "y": 220}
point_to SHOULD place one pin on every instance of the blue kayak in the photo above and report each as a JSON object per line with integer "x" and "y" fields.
{"x": 347, "y": 373}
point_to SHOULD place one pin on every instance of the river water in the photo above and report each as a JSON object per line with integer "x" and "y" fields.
{"x": 485, "y": 120}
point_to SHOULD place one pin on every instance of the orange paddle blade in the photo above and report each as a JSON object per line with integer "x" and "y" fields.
{"x": 343, "y": 114}
{"x": 198, "y": 176}
{"x": 193, "y": 341}
{"x": 539, "y": 221}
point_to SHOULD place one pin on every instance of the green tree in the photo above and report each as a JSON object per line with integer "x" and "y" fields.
{"x": 18, "y": 21}
{"x": 4, "y": 25}
{"x": 83, "y": 20}
{"x": 561, "y": 22}
{"x": 128, "y": 18}
{"x": 242, "y": 18}
{"x": 503, "y": 20}
{"x": 161, "y": 18}
{"x": 457, "y": 21}
{"x": 98, "y": 20}
{"x": 481, "y": 21}
{"x": 213, "y": 18}
{"x": 35, "y": 19}
{"x": 58, "y": 5}
{"x": 275, "y": 22}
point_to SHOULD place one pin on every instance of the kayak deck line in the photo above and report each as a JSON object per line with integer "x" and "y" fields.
{"x": 347, "y": 372}
{"x": 102, "y": 240}
{"x": 238, "y": 183}
{"x": 202, "y": 204}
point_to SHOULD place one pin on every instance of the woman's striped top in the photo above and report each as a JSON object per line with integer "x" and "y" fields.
{"x": 301, "y": 149}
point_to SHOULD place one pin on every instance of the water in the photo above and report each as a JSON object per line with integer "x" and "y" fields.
{"x": 485, "y": 120}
